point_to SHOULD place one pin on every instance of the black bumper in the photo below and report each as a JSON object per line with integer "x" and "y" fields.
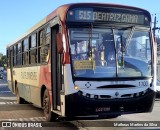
{"x": 79, "y": 105}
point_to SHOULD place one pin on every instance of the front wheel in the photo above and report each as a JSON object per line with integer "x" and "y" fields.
{"x": 50, "y": 116}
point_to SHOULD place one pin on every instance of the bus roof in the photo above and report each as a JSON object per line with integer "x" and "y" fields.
{"x": 61, "y": 13}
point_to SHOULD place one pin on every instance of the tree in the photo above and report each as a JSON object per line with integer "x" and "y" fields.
{"x": 3, "y": 61}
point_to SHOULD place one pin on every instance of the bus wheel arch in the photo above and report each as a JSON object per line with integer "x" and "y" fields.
{"x": 50, "y": 116}
{"x": 18, "y": 98}
{"x": 43, "y": 88}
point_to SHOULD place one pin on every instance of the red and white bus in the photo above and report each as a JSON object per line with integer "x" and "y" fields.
{"x": 86, "y": 59}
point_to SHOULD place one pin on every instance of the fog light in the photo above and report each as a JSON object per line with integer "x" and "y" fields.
{"x": 76, "y": 87}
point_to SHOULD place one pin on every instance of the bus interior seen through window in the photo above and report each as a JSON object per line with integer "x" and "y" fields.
{"x": 103, "y": 58}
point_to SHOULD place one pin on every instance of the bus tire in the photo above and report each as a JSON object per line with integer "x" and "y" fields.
{"x": 50, "y": 116}
{"x": 18, "y": 98}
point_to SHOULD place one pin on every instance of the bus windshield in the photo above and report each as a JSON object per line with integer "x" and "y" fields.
{"x": 110, "y": 52}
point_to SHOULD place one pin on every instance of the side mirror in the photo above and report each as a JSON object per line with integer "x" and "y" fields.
{"x": 59, "y": 43}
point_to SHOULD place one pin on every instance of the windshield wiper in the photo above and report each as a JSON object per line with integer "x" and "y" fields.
{"x": 90, "y": 42}
{"x": 128, "y": 39}
{"x": 124, "y": 46}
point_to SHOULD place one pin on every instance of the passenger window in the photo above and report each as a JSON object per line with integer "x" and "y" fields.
{"x": 44, "y": 45}
{"x": 44, "y": 53}
{"x": 33, "y": 41}
{"x": 19, "y": 54}
{"x": 19, "y": 57}
{"x": 48, "y": 36}
{"x": 25, "y": 58}
{"x": 14, "y": 56}
{"x": 33, "y": 56}
{"x": 33, "y": 49}
{"x": 19, "y": 48}
{"x": 42, "y": 39}
{"x": 25, "y": 45}
{"x": 25, "y": 52}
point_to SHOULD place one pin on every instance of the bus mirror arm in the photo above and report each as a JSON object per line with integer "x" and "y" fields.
{"x": 59, "y": 43}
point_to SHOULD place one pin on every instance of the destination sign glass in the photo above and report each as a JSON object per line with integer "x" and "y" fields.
{"x": 106, "y": 15}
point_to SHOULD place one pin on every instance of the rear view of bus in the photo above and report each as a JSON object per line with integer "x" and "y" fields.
{"x": 111, "y": 60}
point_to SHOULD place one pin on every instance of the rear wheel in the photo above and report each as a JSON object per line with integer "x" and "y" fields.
{"x": 50, "y": 116}
{"x": 19, "y": 99}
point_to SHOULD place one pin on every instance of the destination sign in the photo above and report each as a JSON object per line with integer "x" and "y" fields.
{"x": 118, "y": 16}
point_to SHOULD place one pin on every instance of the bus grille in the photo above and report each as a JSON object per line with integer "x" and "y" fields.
{"x": 117, "y": 86}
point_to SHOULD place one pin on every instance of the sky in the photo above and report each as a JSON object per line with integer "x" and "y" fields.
{"x": 17, "y": 16}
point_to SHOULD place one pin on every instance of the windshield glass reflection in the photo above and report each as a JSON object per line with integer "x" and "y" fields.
{"x": 110, "y": 53}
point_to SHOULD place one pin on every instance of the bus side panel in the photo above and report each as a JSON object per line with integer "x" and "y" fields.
{"x": 35, "y": 88}
{"x": 27, "y": 81}
{"x": 45, "y": 80}
{"x": 9, "y": 80}
{"x": 45, "y": 76}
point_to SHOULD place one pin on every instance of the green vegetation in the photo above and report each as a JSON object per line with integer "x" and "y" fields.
{"x": 3, "y": 61}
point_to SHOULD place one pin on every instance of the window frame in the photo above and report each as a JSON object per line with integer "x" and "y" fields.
{"x": 25, "y": 55}
{"x": 33, "y": 48}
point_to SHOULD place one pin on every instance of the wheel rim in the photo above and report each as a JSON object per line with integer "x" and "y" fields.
{"x": 46, "y": 105}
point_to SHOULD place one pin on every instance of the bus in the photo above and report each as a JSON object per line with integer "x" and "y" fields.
{"x": 86, "y": 59}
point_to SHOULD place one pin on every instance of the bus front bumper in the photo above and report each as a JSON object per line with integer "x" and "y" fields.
{"x": 79, "y": 105}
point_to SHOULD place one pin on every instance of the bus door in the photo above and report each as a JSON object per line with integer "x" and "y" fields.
{"x": 56, "y": 71}
{"x": 11, "y": 70}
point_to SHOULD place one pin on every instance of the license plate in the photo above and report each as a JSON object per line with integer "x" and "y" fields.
{"x": 102, "y": 109}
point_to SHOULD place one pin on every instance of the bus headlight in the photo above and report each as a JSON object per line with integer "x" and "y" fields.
{"x": 76, "y": 87}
